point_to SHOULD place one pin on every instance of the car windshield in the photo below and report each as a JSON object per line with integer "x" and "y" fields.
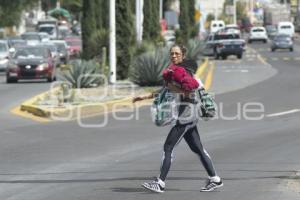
{"x": 286, "y": 27}
{"x": 227, "y": 37}
{"x": 74, "y": 43}
{"x": 17, "y": 43}
{"x": 31, "y": 37}
{"x": 47, "y": 29}
{"x": 231, "y": 27}
{"x": 30, "y": 53}
{"x": 3, "y": 48}
{"x": 61, "y": 47}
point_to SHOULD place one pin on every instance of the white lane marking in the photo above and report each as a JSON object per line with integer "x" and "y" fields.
{"x": 283, "y": 113}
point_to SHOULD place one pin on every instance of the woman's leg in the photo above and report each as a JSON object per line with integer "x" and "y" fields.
{"x": 193, "y": 140}
{"x": 173, "y": 138}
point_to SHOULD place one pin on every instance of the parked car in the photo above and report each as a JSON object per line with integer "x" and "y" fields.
{"x": 62, "y": 48}
{"x": 282, "y": 41}
{"x": 74, "y": 45}
{"x": 4, "y": 55}
{"x": 258, "y": 33}
{"x": 31, "y": 62}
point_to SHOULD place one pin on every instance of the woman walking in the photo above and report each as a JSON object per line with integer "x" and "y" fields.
{"x": 184, "y": 127}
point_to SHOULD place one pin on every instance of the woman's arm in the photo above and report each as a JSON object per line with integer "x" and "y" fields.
{"x": 148, "y": 96}
{"x": 141, "y": 98}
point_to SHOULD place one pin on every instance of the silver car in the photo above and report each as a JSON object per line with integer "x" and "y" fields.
{"x": 282, "y": 41}
{"x": 4, "y": 55}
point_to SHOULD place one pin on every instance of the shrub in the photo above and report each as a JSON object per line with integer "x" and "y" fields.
{"x": 194, "y": 49}
{"x": 146, "y": 69}
{"x": 82, "y": 74}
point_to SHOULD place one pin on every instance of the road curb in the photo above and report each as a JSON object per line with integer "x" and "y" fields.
{"x": 70, "y": 112}
{"x": 202, "y": 68}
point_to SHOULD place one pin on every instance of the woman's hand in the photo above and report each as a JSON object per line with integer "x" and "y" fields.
{"x": 141, "y": 98}
{"x": 138, "y": 98}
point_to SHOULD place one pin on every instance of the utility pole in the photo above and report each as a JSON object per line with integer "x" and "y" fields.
{"x": 139, "y": 4}
{"x": 216, "y": 10}
{"x": 112, "y": 42}
{"x": 160, "y": 10}
{"x": 234, "y": 11}
{"x": 251, "y": 10}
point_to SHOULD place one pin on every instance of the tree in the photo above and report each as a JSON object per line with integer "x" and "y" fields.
{"x": 240, "y": 11}
{"x": 151, "y": 26}
{"x": 88, "y": 25}
{"x": 11, "y": 11}
{"x": 184, "y": 22}
{"x": 73, "y": 6}
{"x": 166, "y": 4}
{"x": 192, "y": 23}
{"x": 125, "y": 32}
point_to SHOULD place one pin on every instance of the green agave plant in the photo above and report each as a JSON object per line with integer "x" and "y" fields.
{"x": 146, "y": 69}
{"x": 194, "y": 49}
{"x": 83, "y": 74}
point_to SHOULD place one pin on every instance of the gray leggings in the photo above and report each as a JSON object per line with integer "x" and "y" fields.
{"x": 191, "y": 136}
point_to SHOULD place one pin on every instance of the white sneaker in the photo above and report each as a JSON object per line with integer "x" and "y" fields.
{"x": 155, "y": 186}
{"x": 211, "y": 185}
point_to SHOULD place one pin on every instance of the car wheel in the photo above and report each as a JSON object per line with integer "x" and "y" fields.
{"x": 249, "y": 41}
{"x": 265, "y": 41}
{"x": 239, "y": 56}
{"x": 272, "y": 49}
{"x": 291, "y": 49}
{"x": 50, "y": 79}
{"x": 10, "y": 80}
{"x": 224, "y": 57}
{"x": 216, "y": 56}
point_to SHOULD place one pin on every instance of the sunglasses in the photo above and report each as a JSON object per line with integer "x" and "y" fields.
{"x": 175, "y": 53}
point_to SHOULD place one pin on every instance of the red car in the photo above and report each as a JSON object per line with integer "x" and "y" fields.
{"x": 31, "y": 62}
{"x": 74, "y": 45}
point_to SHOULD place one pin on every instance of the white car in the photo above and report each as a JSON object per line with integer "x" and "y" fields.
{"x": 286, "y": 28}
{"x": 258, "y": 33}
{"x": 216, "y": 25}
{"x": 233, "y": 28}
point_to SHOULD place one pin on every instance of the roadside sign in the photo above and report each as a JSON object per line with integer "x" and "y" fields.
{"x": 197, "y": 15}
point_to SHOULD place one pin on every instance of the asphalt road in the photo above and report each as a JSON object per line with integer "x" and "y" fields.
{"x": 258, "y": 159}
{"x": 12, "y": 95}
